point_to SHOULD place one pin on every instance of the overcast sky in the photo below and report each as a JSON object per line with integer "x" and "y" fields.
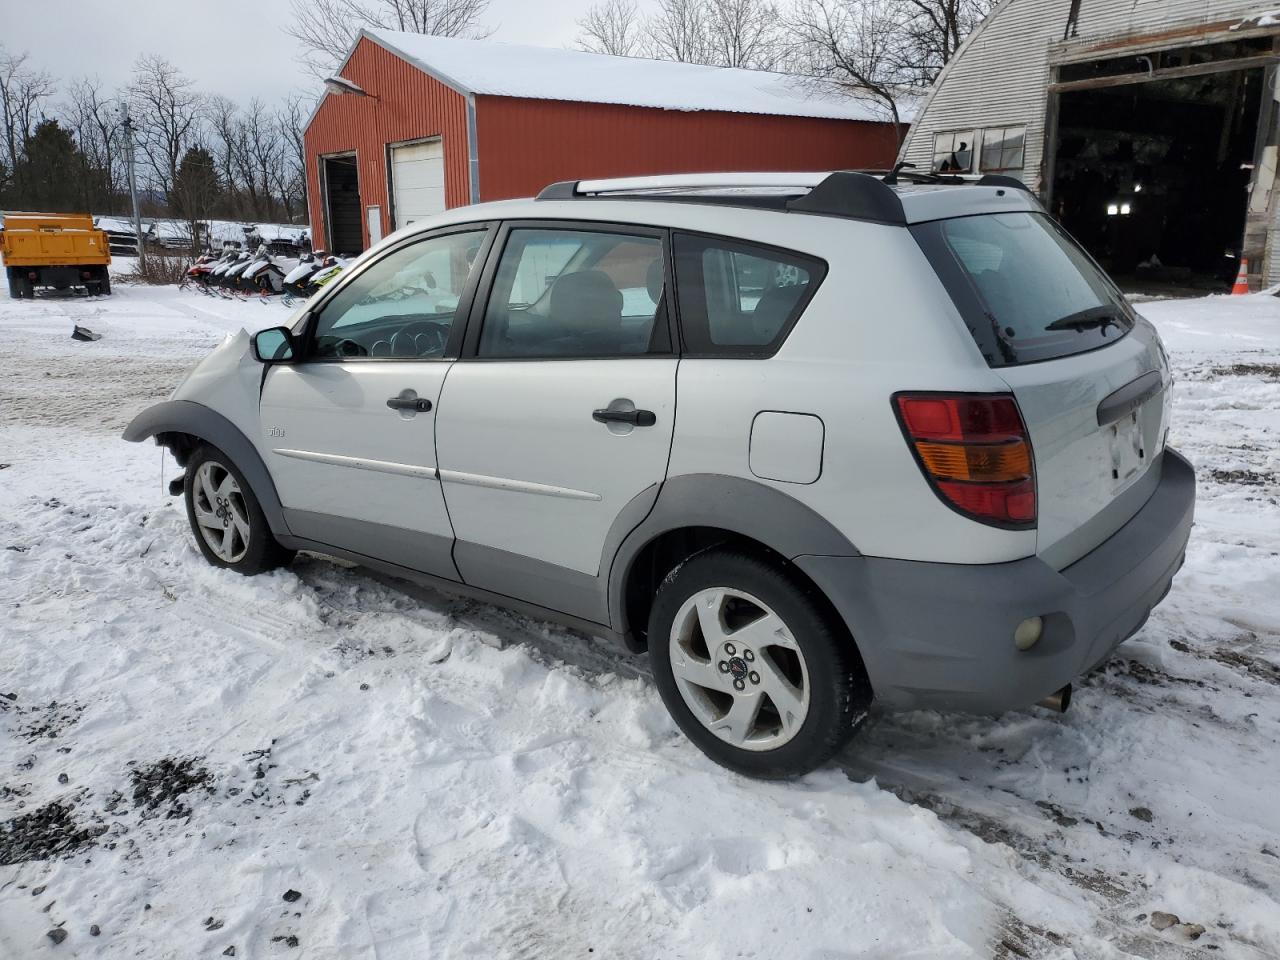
{"x": 234, "y": 47}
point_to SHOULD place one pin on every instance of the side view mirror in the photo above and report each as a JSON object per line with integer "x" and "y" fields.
{"x": 273, "y": 345}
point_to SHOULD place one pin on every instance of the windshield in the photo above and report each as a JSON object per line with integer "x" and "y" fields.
{"x": 1027, "y": 291}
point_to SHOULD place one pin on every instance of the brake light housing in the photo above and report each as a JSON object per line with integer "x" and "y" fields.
{"x": 974, "y": 450}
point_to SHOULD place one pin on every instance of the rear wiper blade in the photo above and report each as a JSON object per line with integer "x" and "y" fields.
{"x": 1087, "y": 319}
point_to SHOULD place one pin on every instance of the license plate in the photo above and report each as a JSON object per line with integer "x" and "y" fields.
{"x": 1127, "y": 454}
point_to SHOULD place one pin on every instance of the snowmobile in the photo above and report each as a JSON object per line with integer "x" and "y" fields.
{"x": 263, "y": 275}
{"x": 229, "y": 277}
{"x": 200, "y": 271}
{"x": 329, "y": 268}
{"x": 308, "y": 265}
{"x": 229, "y": 259}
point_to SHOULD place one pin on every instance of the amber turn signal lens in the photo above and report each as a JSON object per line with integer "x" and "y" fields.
{"x": 984, "y": 463}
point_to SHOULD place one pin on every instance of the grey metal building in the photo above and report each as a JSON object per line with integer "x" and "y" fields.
{"x": 1147, "y": 126}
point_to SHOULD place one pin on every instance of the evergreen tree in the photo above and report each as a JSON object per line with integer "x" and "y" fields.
{"x": 51, "y": 171}
{"x": 196, "y": 187}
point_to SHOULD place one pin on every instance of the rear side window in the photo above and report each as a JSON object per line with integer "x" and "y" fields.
{"x": 576, "y": 293}
{"x": 740, "y": 299}
{"x": 1026, "y": 290}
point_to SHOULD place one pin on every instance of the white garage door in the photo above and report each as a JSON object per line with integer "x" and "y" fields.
{"x": 417, "y": 180}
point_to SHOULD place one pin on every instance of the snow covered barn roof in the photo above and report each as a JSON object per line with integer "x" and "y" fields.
{"x": 496, "y": 69}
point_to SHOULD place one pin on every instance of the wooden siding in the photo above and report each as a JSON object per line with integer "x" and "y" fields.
{"x": 526, "y": 144}
{"x": 1001, "y": 76}
{"x": 410, "y": 106}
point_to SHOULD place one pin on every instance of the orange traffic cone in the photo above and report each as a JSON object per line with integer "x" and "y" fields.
{"x": 1242, "y": 279}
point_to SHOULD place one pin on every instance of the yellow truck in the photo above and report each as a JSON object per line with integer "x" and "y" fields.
{"x": 59, "y": 250}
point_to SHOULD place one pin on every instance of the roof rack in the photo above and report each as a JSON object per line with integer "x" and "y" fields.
{"x": 853, "y": 194}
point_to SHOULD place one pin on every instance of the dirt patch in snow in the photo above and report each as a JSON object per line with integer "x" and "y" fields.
{"x": 160, "y": 788}
{"x": 45, "y": 833}
{"x": 1247, "y": 478}
{"x": 1269, "y": 371}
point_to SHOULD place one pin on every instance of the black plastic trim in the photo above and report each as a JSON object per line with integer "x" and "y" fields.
{"x": 1001, "y": 180}
{"x": 455, "y": 587}
{"x": 197, "y": 420}
{"x": 855, "y": 196}
{"x": 1128, "y": 398}
{"x": 561, "y": 190}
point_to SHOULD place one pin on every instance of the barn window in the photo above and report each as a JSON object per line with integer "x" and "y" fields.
{"x": 953, "y": 152}
{"x": 1002, "y": 149}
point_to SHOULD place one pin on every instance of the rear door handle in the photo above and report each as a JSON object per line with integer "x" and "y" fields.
{"x": 414, "y": 404}
{"x": 637, "y": 418}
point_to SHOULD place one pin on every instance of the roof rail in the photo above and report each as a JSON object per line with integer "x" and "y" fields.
{"x": 675, "y": 183}
{"x": 853, "y": 194}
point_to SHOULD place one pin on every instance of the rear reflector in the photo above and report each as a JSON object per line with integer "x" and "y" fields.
{"x": 974, "y": 450}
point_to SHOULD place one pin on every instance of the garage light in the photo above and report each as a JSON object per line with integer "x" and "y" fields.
{"x": 1113, "y": 209}
{"x": 1137, "y": 188}
{"x": 1125, "y": 209}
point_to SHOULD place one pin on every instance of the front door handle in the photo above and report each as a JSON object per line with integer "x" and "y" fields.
{"x": 412, "y": 404}
{"x": 637, "y": 418}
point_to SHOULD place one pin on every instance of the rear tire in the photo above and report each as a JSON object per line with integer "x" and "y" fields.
{"x": 104, "y": 283}
{"x": 229, "y": 526}
{"x": 12, "y": 277}
{"x": 752, "y": 667}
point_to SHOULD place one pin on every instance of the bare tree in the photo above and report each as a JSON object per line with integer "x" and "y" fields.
{"x": 855, "y": 44}
{"x": 23, "y": 91}
{"x": 613, "y": 27}
{"x": 290, "y": 120}
{"x": 933, "y": 31}
{"x": 327, "y": 28}
{"x": 95, "y": 120}
{"x": 222, "y": 119}
{"x": 723, "y": 33}
{"x": 166, "y": 109}
{"x": 743, "y": 33}
{"x": 678, "y": 31}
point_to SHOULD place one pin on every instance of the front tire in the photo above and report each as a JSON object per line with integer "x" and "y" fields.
{"x": 751, "y": 666}
{"x": 229, "y": 526}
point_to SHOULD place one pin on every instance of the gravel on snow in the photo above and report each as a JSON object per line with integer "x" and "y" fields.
{"x": 314, "y": 763}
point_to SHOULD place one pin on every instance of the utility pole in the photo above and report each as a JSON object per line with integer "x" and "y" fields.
{"x": 127, "y": 123}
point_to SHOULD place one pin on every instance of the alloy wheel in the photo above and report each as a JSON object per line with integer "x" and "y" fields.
{"x": 221, "y": 515}
{"x": 739, "y": 669}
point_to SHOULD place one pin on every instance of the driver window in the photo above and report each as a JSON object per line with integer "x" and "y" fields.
{"x": 402, "y": 306}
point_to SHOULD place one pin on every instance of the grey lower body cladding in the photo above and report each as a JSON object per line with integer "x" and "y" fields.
{"x": 936, "y": 635}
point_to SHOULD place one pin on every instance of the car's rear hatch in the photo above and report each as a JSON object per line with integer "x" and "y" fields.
{"x": 1088, "y": 374}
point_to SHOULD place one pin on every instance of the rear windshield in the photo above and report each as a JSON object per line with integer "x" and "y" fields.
{"x": 1026, "y": 290}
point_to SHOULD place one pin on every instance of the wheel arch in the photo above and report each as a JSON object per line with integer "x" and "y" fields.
{"x": 696, "y": 512}
{"x": 182, "y": 425}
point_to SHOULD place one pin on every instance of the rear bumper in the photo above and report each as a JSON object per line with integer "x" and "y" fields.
{"x": 940, "y": 635}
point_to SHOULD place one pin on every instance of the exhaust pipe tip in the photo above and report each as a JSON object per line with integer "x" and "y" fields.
{"x": 1058, "y": 701}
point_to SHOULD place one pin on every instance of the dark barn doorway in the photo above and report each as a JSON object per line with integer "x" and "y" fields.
{"x": 1152, "y": 177}
{"x": 342, "y": 205}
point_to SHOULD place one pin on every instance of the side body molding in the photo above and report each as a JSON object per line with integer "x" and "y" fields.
{"x": 744, "y": 507}
{"x": 186, "y": 416}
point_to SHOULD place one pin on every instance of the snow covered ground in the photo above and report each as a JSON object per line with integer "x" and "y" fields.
{"x": 314, "y": 764}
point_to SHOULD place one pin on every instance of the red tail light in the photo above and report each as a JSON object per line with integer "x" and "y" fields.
{"x": 975, "y": 452}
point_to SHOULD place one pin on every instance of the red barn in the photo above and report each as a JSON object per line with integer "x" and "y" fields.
{"x": 424, "y": 123}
